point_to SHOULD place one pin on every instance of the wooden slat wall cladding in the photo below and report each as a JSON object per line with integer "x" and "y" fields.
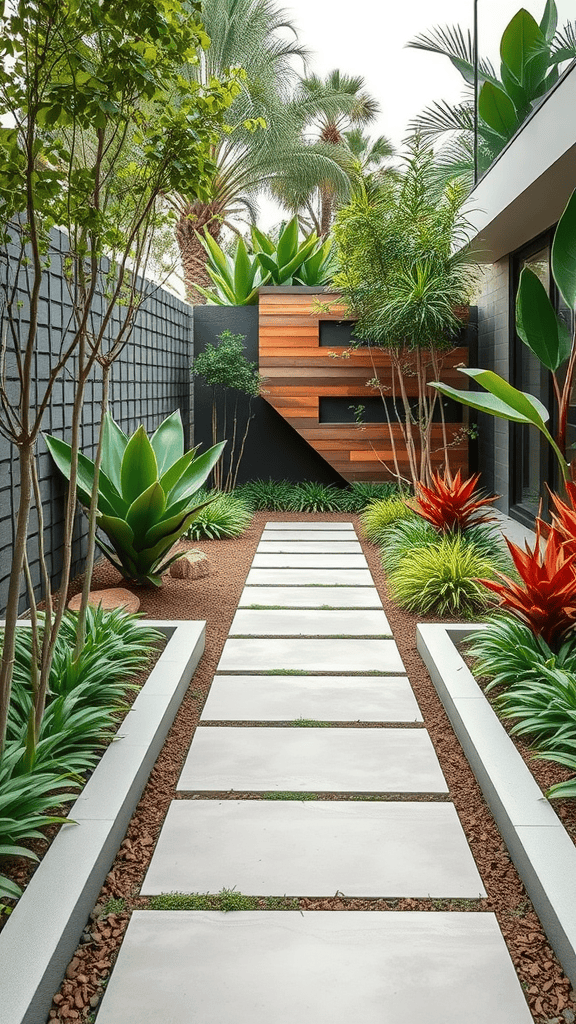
{"x": 299, "y": 371}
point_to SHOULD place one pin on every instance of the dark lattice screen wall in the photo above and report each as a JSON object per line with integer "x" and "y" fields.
{"x": 150, "y": 380}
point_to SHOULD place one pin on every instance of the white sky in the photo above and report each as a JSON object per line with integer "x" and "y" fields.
{"x": 369, "y": 38}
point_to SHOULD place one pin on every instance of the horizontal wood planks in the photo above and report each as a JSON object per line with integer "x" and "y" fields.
{"x": 298, "y": 372}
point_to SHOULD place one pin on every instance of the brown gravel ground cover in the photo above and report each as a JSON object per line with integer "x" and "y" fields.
{"x": 215, "y": 599}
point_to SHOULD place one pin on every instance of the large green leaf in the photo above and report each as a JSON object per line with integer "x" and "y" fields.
{"x": 170, "y": 478}
{"x": 196, "y": 474}
{"x": 523, "y": 404}
{"x": 537, "y": 323}
{"x": 217, "y": 255}
{"x": 481, "y": 401}
{"x": 261, "y": 242}
{"x": 168, "y": 442}
{"x": 287, "y": 270}
{"x": 497, "y": 110}
{"x": 119, "y": 532}
{"x": 287, "y": 243}
{"x": 109, "y": 501}
{"x": 549, "y": 22}
{"x": 521, "y": 38}
{"x": 516, "y": 92}
{"x": 139, "y": 467}
{"x": 564, "y": 253}
{"x": 243, "y": 271}
{"x": 114, "y": 443}
{"x": 145, "y": 512}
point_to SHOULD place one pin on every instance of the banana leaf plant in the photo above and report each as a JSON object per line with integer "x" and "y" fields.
{"x": 238, "y": 276}
{"x": 146, "y": 493}
{"x": 548, "y": 337}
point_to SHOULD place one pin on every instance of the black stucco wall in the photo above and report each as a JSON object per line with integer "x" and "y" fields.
{"x": 274, "y": 449}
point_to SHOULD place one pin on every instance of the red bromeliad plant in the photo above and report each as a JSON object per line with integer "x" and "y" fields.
{"x": 451, "y": 504}
{"x": 545, "y": 597}
{"x": 564, "y": 516}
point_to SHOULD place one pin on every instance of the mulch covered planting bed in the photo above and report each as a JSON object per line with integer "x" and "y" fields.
{"x": 215, "y": 599}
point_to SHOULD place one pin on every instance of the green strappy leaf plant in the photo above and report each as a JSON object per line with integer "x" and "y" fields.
{"x": 146, "y": 493}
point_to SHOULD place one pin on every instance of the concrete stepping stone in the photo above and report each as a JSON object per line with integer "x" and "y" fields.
{"x": 310, "y": 577}
{"x": 316, "y": 547}
{"x": 315, "y": 967}
{"x": 317, "y": 655}
{"x": 309, "y": 536}
{"x": 315, "y": 760}
{"x": 297, "y": 560}
{"x": 313, "y": 524}
{"x": 317, "y": 698}
{"x": 314, "y": 848}
{"x": 315, "y": 622}
{"x": 310, "y": 597}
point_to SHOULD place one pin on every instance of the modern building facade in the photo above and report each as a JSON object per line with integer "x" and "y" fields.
{"x": 514, "y": 209}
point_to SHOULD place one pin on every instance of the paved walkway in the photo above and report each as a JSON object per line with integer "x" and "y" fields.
{"x": 311, "y": 646}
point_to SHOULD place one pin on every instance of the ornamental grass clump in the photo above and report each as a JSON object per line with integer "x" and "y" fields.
{"x": 267, "y": 495}
{"x": 379, "y": 516}
{"x": 227, "y": 515}
{"x": 362, "y": 493}
{"x": 442, "y": 579}
{"x": 311, "y": 496}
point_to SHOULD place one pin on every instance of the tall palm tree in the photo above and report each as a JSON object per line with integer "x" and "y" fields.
{"x": 326, "y": 132}
{"x": 251, "y": 34}
{"x": 370, "y": 158}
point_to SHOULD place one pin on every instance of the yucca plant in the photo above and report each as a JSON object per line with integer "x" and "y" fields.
{"x": 441, "y": 579}
{"x": 451, "y": 503}
{"x": 226, "y": 516}
{"x": 311, "y": 496}
{"x": 379, "y": 516}
{"x": 267, "y": 495}
{"x": 545, "y": 596}
{"x": 361, "y": 493}
{"x": 146, "y": 493}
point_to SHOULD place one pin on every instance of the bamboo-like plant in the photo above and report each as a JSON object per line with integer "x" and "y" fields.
{"x": 546, "y": 335}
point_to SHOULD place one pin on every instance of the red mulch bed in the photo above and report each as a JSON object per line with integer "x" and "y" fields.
{"x": 215, "y": 599}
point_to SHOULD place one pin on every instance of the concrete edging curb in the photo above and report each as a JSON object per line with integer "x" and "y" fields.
{"x": 41, "y": 935}
{"x": 538, "y": 843}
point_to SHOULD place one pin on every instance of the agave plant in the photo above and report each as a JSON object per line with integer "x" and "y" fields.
{"x": 545, "y": 597}
{"x": 451, "y": 504}
{"x": 146, "y": 493}
{"x": 238, "y": 276}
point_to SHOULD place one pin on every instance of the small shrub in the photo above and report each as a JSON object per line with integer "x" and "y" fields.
{"x": 452, "y": 504}
{"x": 227, "y": 515}
{"x": 545, "y": 596}
{"x": 362, "y": 492}
{"x": 441, "y": 579}
{"x": 379, "y": 516}
{"x": 311, "y": 496}
{"x": 402, "y": 536}
{"x": 266, "y": 495}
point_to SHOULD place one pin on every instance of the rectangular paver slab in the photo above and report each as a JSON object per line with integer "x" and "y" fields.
{"x": 315, "y": 547}
{"x": 314, "y": 848}
{"x": 312, "y": 524}
{"x": 311, "y": 760}
{"x": 322, "y": 655}
{"x": 310, "y": 577}
{"x": 310, "y": 597}
{"x": 296, "y": 560}
{"x": 309, "y": 536}
{"x": 313, "y": 622}
{"x": 316, "y": 967}
{"x": 320, "y": 698}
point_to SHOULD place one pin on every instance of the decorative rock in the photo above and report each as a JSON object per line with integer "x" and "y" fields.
{"x": 193, "y": 565}
{"x": 109, "y": 600}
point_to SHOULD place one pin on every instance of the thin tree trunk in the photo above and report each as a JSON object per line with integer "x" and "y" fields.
{"x": 408, "y": 432}
{"x": 25, "y": 454}
{"x": 92, "y": 522}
